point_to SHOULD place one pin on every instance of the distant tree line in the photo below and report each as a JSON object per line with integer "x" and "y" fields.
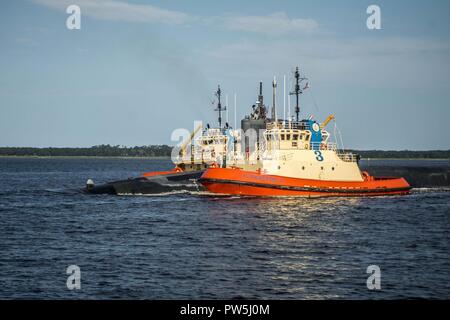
{"x": 403, "y": 154}
{"x": 106, "y": 150}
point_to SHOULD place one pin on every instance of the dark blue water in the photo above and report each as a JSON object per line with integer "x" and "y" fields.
{"x": 200, "y": 246}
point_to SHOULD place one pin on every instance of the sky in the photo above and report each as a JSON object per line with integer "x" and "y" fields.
{"x": 137, "y": 70}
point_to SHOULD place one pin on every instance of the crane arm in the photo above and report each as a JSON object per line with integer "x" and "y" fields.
{"x": 327, "y": 120}
{"x": 188, "y": 140}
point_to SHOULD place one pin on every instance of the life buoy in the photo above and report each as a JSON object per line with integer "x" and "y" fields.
{"x": 178, "y": 169}
{"x": 323, "y": 146}
{"x": 366, "y": 176}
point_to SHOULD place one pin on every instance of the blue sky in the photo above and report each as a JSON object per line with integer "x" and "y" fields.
{"x": 137, "y": 70}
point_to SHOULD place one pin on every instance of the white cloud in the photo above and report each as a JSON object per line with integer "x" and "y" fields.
{"x": 391, "y": 61}
{"x": 275, "y": 24}
{"x": 278, "y": 23}
{"x": 120, "y": 11}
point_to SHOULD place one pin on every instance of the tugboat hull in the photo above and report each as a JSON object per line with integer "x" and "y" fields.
{"x": 249, "y": 183}
{"x": 154, "y": 183}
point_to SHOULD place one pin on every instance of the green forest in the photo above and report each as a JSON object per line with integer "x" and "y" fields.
{"x": 403, "y": 154}
{"x": 165, "y": 151}
{"x": 105, "y": 150}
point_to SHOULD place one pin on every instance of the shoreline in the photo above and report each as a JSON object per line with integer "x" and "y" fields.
{"x": 84, "y": 157}
{"x": 437, "y": 159}
{"x": 168, "y": 157}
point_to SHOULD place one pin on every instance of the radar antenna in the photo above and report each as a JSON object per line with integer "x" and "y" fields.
{"x": 297, "y": 91}
{"x": 219, "y": 108}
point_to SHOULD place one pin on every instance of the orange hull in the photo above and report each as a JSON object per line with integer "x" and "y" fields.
{"x": 240, "y": 182}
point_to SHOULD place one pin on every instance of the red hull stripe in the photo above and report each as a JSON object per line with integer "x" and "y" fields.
{"x": 207, "y": 181}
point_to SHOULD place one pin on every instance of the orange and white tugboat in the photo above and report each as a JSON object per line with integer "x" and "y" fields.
{"x": 299, "y": 160}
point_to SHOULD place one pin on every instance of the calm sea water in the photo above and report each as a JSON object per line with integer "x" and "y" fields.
{"x": 188, "y": 246}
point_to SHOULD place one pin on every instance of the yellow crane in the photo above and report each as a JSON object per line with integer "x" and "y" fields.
{"x": 183, "y": 147}
{"x": 327, "y": 120}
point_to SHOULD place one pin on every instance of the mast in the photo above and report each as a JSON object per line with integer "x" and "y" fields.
{"x": 219, "y": 105}
{"x": 297, "y": 91}
{"x": 226, "y": 104}
{"x": 235, "y": 124}
{"x": 284, "y": 99}
{"x": 260, "y": 97}
{"x": 289, "y": 105}
{"x": 274, "y": 86}
{"x": 259, "y": 109}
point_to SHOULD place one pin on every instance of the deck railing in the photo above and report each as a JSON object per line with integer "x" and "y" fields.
{"x": 348, "y": 156}
{"x": 280, "y": 124}
{"x": 323, "y": 146}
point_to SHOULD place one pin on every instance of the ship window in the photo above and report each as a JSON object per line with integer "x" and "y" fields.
{"x": 288, "y": 137}
{"x": 332, "y": 168}
{"x": 294, "y": 143}
{"x": 282, "y": 137}
{"x": 295, "y": 137}
{"x": 303, "y": 168}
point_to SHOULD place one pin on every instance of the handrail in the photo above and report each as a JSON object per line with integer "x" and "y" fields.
{"x": 280, "y": 124}
{"x": 323, "y": 146}
{"x": 348, "y": 156}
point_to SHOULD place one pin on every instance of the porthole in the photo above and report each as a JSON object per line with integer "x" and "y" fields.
{"x": 332, "y": 168}
{"x": 303, "y": 168}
